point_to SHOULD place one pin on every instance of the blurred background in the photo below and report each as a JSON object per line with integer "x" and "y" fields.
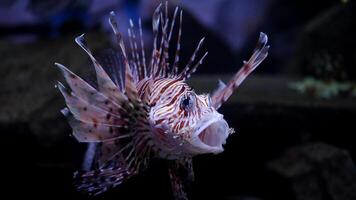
{"x": 295, "y": 116}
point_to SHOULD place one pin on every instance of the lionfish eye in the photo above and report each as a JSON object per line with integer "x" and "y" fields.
{"x": 187, "y": 103}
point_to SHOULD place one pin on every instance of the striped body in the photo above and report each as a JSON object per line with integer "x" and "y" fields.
{"x": 143, "y": 108}
{"x": 170, "y": 122}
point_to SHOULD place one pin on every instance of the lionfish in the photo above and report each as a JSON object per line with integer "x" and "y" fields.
{"x": 139, "y": 110}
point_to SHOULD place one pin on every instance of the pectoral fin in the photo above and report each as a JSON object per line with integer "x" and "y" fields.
{"x": 182, "y": 175}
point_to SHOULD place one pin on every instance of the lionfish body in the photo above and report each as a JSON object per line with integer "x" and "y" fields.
{"x": 139, "y": 109}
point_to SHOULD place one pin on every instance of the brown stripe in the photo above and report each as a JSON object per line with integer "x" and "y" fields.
{"x": 168, "y": 85}
{"x": 177, "y": 95}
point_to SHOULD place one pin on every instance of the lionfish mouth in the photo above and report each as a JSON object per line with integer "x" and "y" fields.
{"x": 211, "y": 134}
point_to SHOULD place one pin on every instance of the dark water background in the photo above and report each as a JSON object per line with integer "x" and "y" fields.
{"x": 288, "y": 145}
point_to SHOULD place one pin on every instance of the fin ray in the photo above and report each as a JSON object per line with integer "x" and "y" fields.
{"x": 259, "y": 54}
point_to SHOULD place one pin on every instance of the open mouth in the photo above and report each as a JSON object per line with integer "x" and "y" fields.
{"x": 211, "y": 135}
{"x": 214, "y": 135}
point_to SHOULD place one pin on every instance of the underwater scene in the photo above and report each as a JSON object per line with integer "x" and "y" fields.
{"x": 178, "y": 99}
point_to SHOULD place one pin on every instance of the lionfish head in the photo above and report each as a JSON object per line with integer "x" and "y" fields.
{"x": 191, "y": 119}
